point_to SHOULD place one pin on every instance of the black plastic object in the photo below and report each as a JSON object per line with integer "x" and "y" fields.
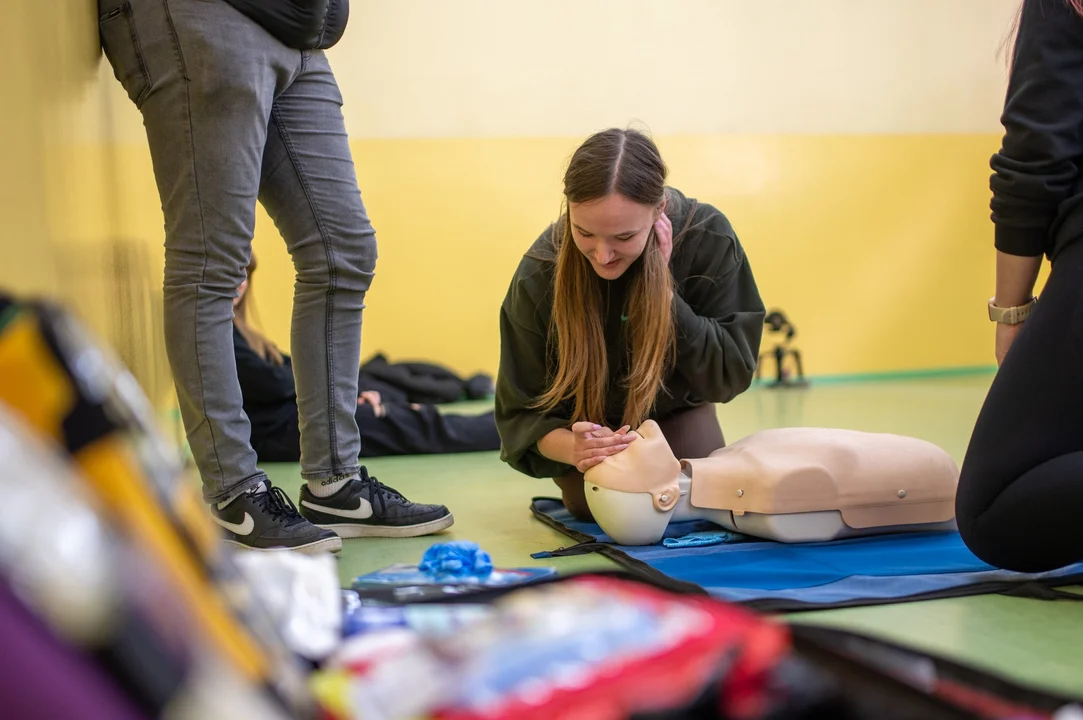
{"x": 776, "y": 322}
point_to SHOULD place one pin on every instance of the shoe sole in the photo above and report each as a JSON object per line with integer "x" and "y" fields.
{"x": 332, "y": 545}
{"x": 346, "y": 530}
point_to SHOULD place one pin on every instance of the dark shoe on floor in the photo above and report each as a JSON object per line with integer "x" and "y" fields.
{"x": 268, "y": 520}
{"x": 366, "y": 507}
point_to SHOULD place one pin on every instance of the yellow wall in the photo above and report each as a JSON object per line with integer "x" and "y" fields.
{"x": 847, "y": 141}
{"x": 67, "y": 232}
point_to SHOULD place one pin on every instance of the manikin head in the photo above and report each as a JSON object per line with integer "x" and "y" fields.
{"x": 633, "y": 493}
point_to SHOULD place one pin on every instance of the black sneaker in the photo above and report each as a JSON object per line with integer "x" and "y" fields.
{"x": 268, "y": 520}
{"x": 366, "y": 507}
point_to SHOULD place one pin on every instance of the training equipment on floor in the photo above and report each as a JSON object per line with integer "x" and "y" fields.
{"x": 778, "y": 328}
{"x": 788, "y": 484}
{"x": 786, "y": 577}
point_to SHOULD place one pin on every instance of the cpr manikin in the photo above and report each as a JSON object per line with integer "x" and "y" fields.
{"x": 789, "y": 485}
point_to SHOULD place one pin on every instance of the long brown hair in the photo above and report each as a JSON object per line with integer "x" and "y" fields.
{"x": 625, "y": 162}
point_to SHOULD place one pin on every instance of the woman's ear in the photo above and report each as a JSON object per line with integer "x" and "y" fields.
{"x": 662, "y": 207}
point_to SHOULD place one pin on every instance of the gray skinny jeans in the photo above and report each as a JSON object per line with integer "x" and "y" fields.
{"x": 233, "y": 116}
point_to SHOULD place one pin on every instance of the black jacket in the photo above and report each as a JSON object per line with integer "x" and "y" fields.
{"x": 299, "y": 24}
{"x": 1037, "y": 185}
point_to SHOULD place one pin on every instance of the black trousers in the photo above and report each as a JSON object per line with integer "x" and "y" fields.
{"x": 1020, "y": 495}
{"x": 402, "y": 431}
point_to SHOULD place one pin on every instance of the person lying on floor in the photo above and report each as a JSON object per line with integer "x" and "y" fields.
{"x": 387, "y": 428}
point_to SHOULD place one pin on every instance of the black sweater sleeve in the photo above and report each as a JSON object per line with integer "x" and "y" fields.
{"x": 522, "y": 376}
{"x": 719, "y": 317}
{"x": 262, "y": 382}
{"x": 1037, "y": 166}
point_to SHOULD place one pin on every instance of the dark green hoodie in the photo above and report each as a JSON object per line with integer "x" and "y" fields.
{"x": 719, "y": 320}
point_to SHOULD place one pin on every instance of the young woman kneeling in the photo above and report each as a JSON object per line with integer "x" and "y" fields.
{"x": 612, "y": 319}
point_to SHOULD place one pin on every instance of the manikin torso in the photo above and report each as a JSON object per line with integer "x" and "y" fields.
{"x": 789, "y": 484}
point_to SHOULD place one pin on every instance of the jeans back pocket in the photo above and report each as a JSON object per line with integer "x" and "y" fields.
{"x": 120, "y": 41}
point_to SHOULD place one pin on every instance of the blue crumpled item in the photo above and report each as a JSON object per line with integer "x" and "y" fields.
{"x": 702, "y": 539}
{"x": 458, "y": 558}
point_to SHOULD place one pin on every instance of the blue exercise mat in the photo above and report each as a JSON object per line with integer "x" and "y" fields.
{"x": 787, "y": 577}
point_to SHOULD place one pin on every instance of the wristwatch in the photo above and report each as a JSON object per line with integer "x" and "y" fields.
{"x": 1012, "y": 315}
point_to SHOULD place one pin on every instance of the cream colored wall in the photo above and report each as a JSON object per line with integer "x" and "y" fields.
{"x": 485, "y": 68}
{"x": 847, "y": 140}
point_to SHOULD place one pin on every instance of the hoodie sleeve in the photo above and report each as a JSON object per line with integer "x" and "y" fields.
{"x": 522, "y": 376}
{"x": 719, "y": 316}
{"x": 1038, "y": 164}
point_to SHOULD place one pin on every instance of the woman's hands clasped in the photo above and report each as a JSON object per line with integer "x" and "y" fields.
{"x": 594, "y": 443}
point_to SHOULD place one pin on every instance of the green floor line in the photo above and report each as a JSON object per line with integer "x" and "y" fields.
{"x": 896, "y": 375}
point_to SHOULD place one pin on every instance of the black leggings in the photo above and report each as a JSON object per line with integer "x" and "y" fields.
{"x": 1020, "y": 495}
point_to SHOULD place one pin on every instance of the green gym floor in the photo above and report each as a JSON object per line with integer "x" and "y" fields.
{"x": 1032, "y": 642}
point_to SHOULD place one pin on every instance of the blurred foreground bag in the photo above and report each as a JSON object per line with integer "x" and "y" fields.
{"x": 166, "y": 581}
{"x": 616, "y": 646}
{"x": 602, "y": 647}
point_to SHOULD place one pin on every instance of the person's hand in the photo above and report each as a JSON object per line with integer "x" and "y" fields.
{"x": 594, "y": 443}
{"x": 271, "y": 352}
{"x": 371, "y": 397}
{"x": 663, "y": 230}
{"x": 1004, "y": 339}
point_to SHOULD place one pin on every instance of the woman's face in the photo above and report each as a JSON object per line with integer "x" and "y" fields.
{"x": 612, "y": 232}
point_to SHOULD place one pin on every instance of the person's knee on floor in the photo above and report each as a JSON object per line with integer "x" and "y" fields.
{"x": 574, "y": 496}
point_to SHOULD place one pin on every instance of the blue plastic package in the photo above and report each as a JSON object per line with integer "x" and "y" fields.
{"x": 457, "y": 559}
{"x": 702, "y": 539}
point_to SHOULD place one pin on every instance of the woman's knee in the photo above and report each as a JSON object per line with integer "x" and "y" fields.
{"x": 356, "y": 261}
{"x": 693, "y": 433}
{"x": 982, "y": 531}
{"x": 342, "y": 263}
{"x": 219, "y": 271}
{"x": 574, "y": 494}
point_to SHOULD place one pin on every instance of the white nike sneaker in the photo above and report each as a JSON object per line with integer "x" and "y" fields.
{"x": 365, "y": 507}
{"x": 268, "y": 520}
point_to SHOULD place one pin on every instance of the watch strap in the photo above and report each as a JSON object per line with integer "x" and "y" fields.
{"x": 1011, "y": 315}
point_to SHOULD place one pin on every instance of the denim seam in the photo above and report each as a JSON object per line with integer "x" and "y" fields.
{"x": 202, "y": 235}
{"x": 332, "y": 426}
{"x": 138, "y": 46}
{"x": 176, "y": 40}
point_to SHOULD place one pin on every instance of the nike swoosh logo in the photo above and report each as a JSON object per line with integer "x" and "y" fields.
{"x": 244, "y": 528}
{"x": 363, "y": 511}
